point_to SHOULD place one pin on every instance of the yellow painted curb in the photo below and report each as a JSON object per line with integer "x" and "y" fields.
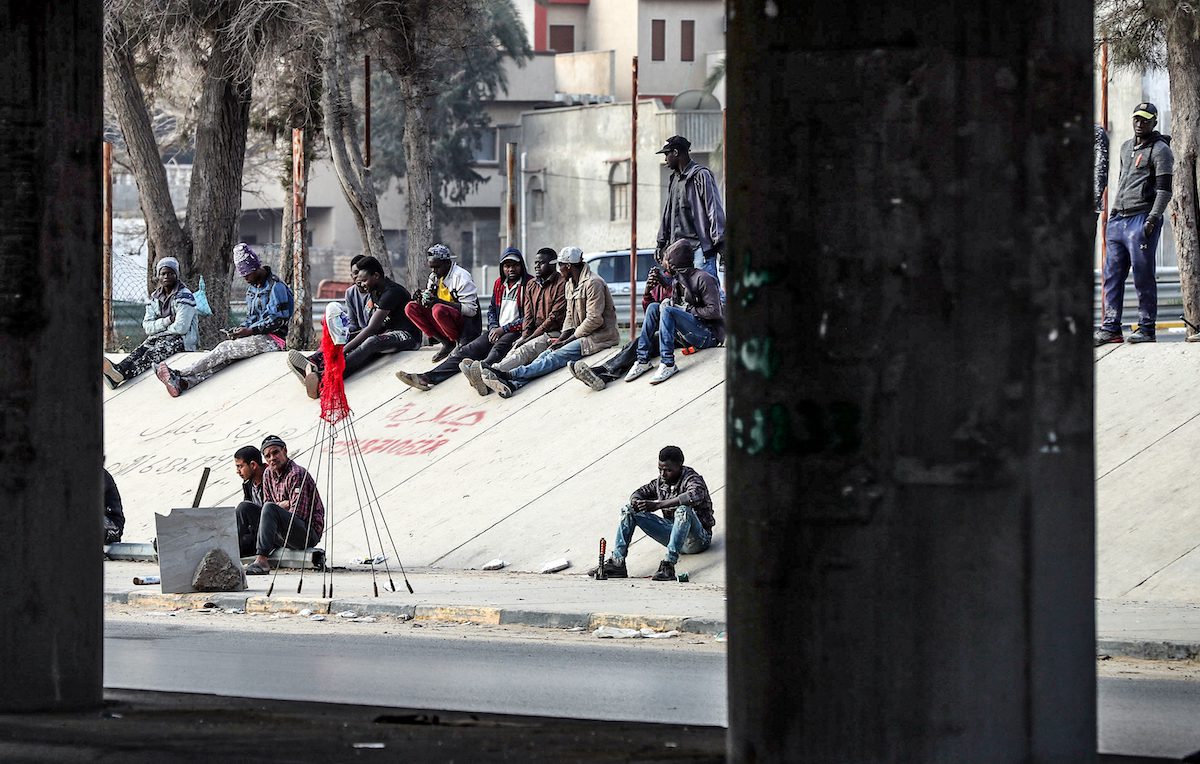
{"x": 286, "y": 604}
{"x": 624, "y": 621}
{"x": 171, "y": 601}
{"x": 486, "y": 615}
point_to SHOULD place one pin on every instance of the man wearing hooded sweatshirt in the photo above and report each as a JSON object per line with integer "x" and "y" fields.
{"x": 1131, "y": 238}
{"x": 692, "y": 317}
{"x": 591, "y": 326}
{"x": 268, "y": 309}
{"x": 448, "y": 309}
{"x": 170, "y": 323}
{"x": 505, "y": 322}
{"x": 693, "y": 211}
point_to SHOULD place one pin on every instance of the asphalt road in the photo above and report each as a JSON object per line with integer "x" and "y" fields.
{"x": 1149, "y": 717}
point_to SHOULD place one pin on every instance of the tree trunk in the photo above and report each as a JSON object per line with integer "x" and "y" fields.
{"x": 341, "y": 132}
{"x": 300, "y": 330}
{"x": 215, "y": 194}
{"x": 286, "y": 227}
{"x": 1183, "y": 65}
{"x": 418, "y": 160}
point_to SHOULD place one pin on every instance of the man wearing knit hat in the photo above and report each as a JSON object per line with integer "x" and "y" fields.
{"x": 268, "y": 309}
{"x": 171, "y": 325}
{"x": 448, "y": 309}
{"x": 505, "y": 321}
{"x": 292, "y": 515}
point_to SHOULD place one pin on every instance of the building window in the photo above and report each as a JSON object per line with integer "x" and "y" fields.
{"x": 562, "y": 38}
{"x": 687, "y": 40}
{"x": 658, "y": 40}
{"x": 483, "y": 150}
{"x": 618, "y": 192}
{"x": 536, "y": 202}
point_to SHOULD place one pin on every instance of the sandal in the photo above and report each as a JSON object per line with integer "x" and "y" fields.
{"x": 255, "y": 569}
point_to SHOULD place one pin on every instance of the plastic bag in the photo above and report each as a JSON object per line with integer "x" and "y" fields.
{"x": 202, "y": 306}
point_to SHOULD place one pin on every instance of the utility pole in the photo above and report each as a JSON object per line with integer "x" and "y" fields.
{"x": 110, "y": 334}
{"x": 511, "y": 208}
{"x": 634, "y": 297}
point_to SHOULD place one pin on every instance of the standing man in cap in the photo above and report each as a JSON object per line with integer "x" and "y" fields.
{"x": 171, "y": 325}
{"x": 448, "y": 309}
{"x": 292, "y": 514}
{"x": 268, "y": 309}
{"x": 1143, "y": 190}
{"x": 504, "y": 324}
{"x": 693, "y": 211}
{"x": 591, "y": 326}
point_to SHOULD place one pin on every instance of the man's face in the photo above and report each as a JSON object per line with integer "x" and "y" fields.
{"x": 543, "y": 266}
{"x": 672, "y": 158}
{"x": 368, "y": 281}
{"x": 440, "y": 267}
{"x": 276, "y": 457}
{"x": 245, "y": 470}
{"x": 670, "y": 472}
{"x": 564, "y": 270}
{"x": 167, "y": 278}
{"x": 354, "y": 272}
{"x": 512, "y": 270}
{"x": 1142, "y": 127}
{"x": 255, "y": 277}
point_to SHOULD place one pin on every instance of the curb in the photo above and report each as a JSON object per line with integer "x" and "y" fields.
{"x": 492, "y": 616}
{"x": 1155, "y": 651}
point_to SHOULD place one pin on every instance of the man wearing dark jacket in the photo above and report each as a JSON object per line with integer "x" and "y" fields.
{"x": 1143, "y": 190}
{"x": 693, "y": 211}
{"x": 504, "y": 325}
{"x": 687, "y": 521}
{"x": 114, "y": 511}
{"x": 693, "y": 317}
{"x": 248, "y": 462}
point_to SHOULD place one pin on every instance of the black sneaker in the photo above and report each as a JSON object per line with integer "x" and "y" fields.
{"x": 1106, "y": 337}
{"x": 503, "y": 387}
{"x": 1141, "y": 336}
{"x": 666, "y": 572}
{"x": 444, "y": 352}
{"x": 298, "y": 363}
{"x": 611, "y": 569}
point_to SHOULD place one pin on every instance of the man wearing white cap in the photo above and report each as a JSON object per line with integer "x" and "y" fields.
{"x": 171, "y": 325}
{"x": 590, "y": 326}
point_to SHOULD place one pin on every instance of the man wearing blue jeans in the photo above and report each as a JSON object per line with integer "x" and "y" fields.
{"x": 693, "y": 318}
{"x": 590, "y": 326}
{"x": 687, "y": 518}
{"x": 1131, "y": 239}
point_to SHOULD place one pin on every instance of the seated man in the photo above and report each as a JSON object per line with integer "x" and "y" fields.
{"x": 356, "y": 299}
{"x": 543, "y": 310}
{"x": 694, "y": 316}
{"x": 114, "y": 511}
{"x": 171, "y": 325}
{"x": 591, "y": 326}
{"x": 687, "y": 522}
{"x": 248, "y": 462}
{"x": 387, "y": 331}
{"x": 268, "y": 309}
{"x": 659, "y": 287}
{"x": 504, "y": 326}
{"x": 448, "y": 309}
{"x": 292, "y": 515}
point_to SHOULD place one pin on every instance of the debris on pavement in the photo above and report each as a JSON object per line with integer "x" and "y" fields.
{"x": 495, "y": 564}
{"x": 146, "y": 580}
{"x": 306, "y": 612}
{"x": 347, "y": 614}
{"x": 652, "y": 634}
{"x": 614, "y": 632}
{"x": 236, "y": 611}
{"x": 316, "y": 618}
{"x": 378, "y": 559}
{"x": 556, "y": 565}
{"x": 369, "y": 745}
{"x": 720, "y": 637}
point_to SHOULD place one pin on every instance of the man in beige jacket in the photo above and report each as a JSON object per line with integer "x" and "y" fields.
{"x": 591, "y": 326}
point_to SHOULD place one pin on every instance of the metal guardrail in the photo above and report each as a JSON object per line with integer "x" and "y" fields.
{"x": 1170, "y": 295}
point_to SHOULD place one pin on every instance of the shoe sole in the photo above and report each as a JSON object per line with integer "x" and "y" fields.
{"x": 164, "y": 375}
{"x": 298, "y": 364}
{"x": 111, "y": 375}
{"x": 475, "y": 379}
{"x": 411, "y": 381}
{"x": 660, "y": 380}
{"x": 584, "y": 374}
{"x": 497, "y": 385}
{"x": 312, "y": 385}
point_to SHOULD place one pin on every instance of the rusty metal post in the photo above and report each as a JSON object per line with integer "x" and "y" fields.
{"x": 110, "y": 334}
{"x": 1104, "y": 124}
{"x": 633, "y": 190}
{"x": 511, "y": 216}
{"x": 367, "y": 111}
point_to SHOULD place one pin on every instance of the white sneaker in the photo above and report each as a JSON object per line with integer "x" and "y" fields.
{"x": 639, "y": 368}
{"x": 663, "y": 374}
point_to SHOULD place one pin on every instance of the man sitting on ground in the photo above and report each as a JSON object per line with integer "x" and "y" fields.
{"x": 591, "y": 326}
{"x": 292, "y": 514}
{"x": 388, "y": 331}
{"x": 357, "y": 312}
{"x": 693, "y": 317}
{"x": 504, "y": 326}
{"x": 268, "y": 309}
{"x": 114, "y": 510}
{"x": 659, "y": 285}
{"x": 543, "y": 310}
{"x": 171, "y": 325}
{"x": 685, "y": 527}
{"x": 448, "y": 310}
{"x": 248, "y": 462}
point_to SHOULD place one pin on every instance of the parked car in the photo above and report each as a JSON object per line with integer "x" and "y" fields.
{"x": 613, "y": 267}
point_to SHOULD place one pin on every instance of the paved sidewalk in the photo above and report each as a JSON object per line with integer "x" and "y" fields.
{"x": 1148, "y": 630}
{"x": 557, "y": 600}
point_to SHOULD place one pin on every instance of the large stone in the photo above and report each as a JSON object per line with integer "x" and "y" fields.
{"x": 217, "y": 573}
{"x": 185, "y": 536}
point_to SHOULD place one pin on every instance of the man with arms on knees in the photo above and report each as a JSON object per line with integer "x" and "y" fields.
{"x": 591, "y": 326}
{"x": 248, "y": 462}
{"x": 693, "y": 211}
{"x": 1131, "y": 238}
{"x": 543, "y": 310}
{"x": 171, "y": 325}
{"x": 268, "y": 309}
{"x": 292, "y": 514}
{"x": 387, "y": 331}
{"x": 504, "y": 326}
{"x": 693, "y": 315}
{"x": 687, "y": 518}
{"x": 448, "y": 309}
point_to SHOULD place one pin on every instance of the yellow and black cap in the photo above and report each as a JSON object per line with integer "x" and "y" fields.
{"x": 1146, "y": 110}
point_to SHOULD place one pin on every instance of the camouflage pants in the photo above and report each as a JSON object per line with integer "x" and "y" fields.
{"x": 224, "y": 354}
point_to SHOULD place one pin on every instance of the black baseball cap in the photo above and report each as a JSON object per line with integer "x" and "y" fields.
{"x": 675, "y": 142}
{"x": 1146, "y": 110}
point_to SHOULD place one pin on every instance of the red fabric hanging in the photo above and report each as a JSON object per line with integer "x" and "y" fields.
{"x": 334, "y": 407}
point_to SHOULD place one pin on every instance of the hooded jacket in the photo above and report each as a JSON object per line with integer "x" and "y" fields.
{"x": 173, "y": 313}
{"x": 493, "y": 314}
{"x": 703, "y": 206}
{"x": 591, "y": 313}
{"x": 1145, "y": 180}
{"x": 697, "y": 292}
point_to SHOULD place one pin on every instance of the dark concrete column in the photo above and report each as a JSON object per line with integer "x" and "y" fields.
{"x": 910, "y": 416}
{"x": 50, "y": 429}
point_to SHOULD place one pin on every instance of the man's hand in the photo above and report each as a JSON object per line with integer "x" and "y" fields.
{"x": 652, "y": 279}
{"x": 644, "y": 505}
{"x": 494, "y": 335}
{"x": 1151, "y": 225}
{"x": 240, "y": 332}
